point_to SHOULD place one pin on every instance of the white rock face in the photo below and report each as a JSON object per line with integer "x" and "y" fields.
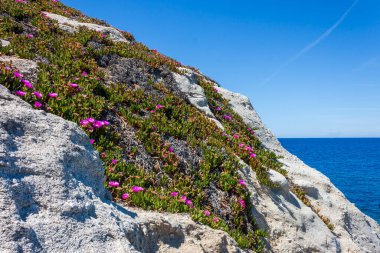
{"x": 187, "y": 83}
{"x": 353, "y": 232}
{"x": 71, "y": 25}
{"x": 52, "y": 195}
{"x": 4, "y": 43}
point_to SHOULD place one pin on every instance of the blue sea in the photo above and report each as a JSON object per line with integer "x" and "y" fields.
{"x": 352, "y": 164}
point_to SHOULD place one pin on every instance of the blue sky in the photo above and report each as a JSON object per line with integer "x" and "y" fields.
{"x": 310, "y": 68}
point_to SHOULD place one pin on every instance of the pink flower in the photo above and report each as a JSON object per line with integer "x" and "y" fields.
{"x": 242, "y": 203}
{"x": 215, "y": 89}
{"x": 37, "y": 94}
{"x": 153, "y": 111}
{"x": 17, "y": 74}
{"x": 215, "y": 219}
{"x": 53, "y": 95}
{"x": 236, "y": 136}
{"x": 103, "y": 155}
{"x": 114, "y": 161}
{"x": 30, "y": 36}
{"x": 171, "y": 150}
{"x": 206, "y": 213}
{"x": 92, "y": 141}
{"x": 252, "y": 155}
{"x": 124, "y": 196}
{"x": 37, "y": 104}
{"x": 227, "y": 117}
{"x": 20, "y": 93}
{"x": 189, "y": 203}
{"x": 97, "y": 124}
{"x": 183, "y": 198}
{"x": 113, "y": 184}
{"x": 241, "y": 182}
{"x": 73, "y": 85}
{"x": 248, "y": 148}
{"x": 158, "y": 106}
{"x": 27, "y": 84}
{"x": 7, "y": 68}
{"x": 136, "y": 189}
{"x": 84, "y": 74}
{"x": 90, "y": 120}
{"x": 174, "y": 194}
{"x": 218, "y": 109}
{"x": 241, "y": 145}
{"x": 84, "y": 122}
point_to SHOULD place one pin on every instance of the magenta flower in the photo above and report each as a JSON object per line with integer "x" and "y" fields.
{"x": 84, "y": 122}
{"x": 136, "y": 189}
{"x": 241, "y": 182}
{"x": 97, "y": 124}
{"x": 124, "y": 196}
{"x": 7, "y": 68}
{"x": 17, "y": 74}
{"x": 206, "y": 213}
{"x": 90, "y": 120}
{"x": 174, "y": 194}
{"x": 73, "y": 85}
{"x": 183, "y": 198}
{"x": 84, "y": 74}
{"x": 20, "y": 93}
{"x": 92, "y": 141}
{"x": 27, "y": 84}
{"x": 114, "y": 161}
{"x": 242, "y": 203}
{"x": 218, "y": 109}
{"x": 236, "y": 136}
{"x": 37, "y": 104}
{"x": 30, "y": 36}
{"x": 53, "y": 95}
{"x": 241, "y": 145}
{"x": 252, "y": 155}
{"x": 189, "y": 203}
{"x": 153, "y": 111}
{"x": 113, "y": 184}
{"x": 158, "y": 106}
{"x": 248, "y": 148}
{"x": 227, "y": 117}
{"x": 171, "y": 150}
{"x": 37, "y": 94}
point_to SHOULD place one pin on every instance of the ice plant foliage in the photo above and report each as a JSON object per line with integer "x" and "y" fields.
{"x": 156, "y": 115}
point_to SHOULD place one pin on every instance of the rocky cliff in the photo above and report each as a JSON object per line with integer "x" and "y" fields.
{"x": 106, "y": 145}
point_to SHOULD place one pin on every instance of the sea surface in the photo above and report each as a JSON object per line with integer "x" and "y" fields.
{"x": 352, "y": 164}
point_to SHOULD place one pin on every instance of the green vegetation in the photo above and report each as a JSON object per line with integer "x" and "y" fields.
{"x": 69, "y": 59}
